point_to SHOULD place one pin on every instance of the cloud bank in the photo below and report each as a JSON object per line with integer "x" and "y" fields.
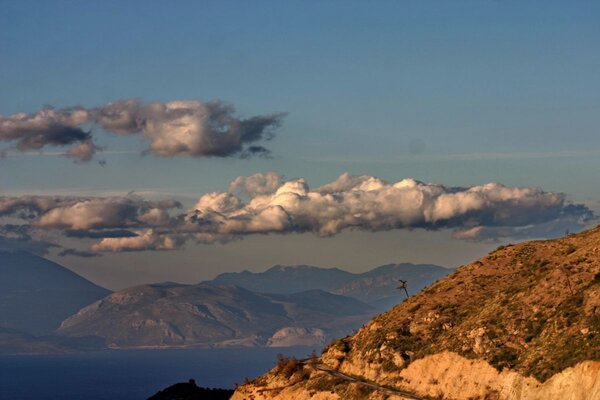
{"x": 178, "y": 128}
{"x": 371, "y": 204}
{"x": 268, "y": 204}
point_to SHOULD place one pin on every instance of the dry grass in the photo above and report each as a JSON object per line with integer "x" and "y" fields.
{"x": 533, "y": 307}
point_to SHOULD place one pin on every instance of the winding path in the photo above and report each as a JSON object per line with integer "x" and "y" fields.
{"x": 338, "y": 374}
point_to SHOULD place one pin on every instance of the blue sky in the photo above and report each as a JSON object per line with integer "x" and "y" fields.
{"x": 504, "y": 91}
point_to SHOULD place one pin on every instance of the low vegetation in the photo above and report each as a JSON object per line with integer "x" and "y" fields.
{"x": 532, "y": 307}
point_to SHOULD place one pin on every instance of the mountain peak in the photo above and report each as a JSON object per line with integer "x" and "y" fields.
{"x": 377, "y": 287}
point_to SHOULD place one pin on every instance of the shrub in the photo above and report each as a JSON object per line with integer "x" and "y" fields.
{"x": 287, "y": 366}
{"x": 506, "y": 358}
{"x": 571, "y": 248}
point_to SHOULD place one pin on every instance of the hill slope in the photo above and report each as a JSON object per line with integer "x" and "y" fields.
{"x": 520, "y": 323}
{"x": 36, "y": 295}
{"x": 175, "y": 315}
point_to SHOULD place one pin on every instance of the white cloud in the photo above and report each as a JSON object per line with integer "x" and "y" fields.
{"x": 368, "y": 203}
{"x": 81, "y": 213}
{"x": 83, "y": 151}
{"x": 267, "y": 204}
{"x": 177, "y": 128}
{"x": 48, "y": 127}
{"x": 257, "y": 184}
{"x": 146, "y": 240}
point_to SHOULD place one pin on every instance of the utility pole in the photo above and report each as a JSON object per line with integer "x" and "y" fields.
{"x": 403, "y": 286}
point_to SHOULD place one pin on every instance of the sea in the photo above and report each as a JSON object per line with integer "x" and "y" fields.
{"x": 131, "y": 374}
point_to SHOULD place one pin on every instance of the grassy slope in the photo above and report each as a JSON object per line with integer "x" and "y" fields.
{"x": 533, "y": 307}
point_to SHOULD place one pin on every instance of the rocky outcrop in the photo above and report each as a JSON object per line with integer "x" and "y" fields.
{"x": 444, "y": 375}
{"x": 295, "y": 336}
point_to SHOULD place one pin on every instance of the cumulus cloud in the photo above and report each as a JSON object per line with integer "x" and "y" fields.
{"x": 29, "y": 207}
{"x": 189, "y": 128}
{"x": 45, "y": 127}
{"x": 124, "y": 219}
{"x": 257, "y": 184}
{"x": 177, "y": 128}
{"x": 83, "y": 152}
{"x": 147, "y": 240}
{"x": 106, "y": 213}
{"x": 76, "y": 214}
{"x": 371, "y": 204}
{"x": 268, "y": 204}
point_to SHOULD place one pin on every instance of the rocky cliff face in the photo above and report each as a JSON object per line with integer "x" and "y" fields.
{"x": 522, "y": 323}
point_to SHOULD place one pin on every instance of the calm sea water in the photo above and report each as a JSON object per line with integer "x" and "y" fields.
{"x": 130, "y": 375}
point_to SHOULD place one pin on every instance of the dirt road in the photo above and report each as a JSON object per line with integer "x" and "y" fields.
{"x": 338, "y": 374}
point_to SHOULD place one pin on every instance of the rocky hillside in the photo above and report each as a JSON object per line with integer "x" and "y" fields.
{"x": 377, "y": 287}
{"x": 520, "y": 323}
{"x": 175, "y": 315}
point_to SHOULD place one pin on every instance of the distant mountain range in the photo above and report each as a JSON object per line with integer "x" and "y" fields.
{"x": 203, "y": 315}
{"x": 36, "y": 295}
{"x": 44, "y": 307}
{"x": 378, "y": 287}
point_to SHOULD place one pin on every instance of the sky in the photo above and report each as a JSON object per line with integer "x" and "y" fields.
{"x": 119, "y": 108}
